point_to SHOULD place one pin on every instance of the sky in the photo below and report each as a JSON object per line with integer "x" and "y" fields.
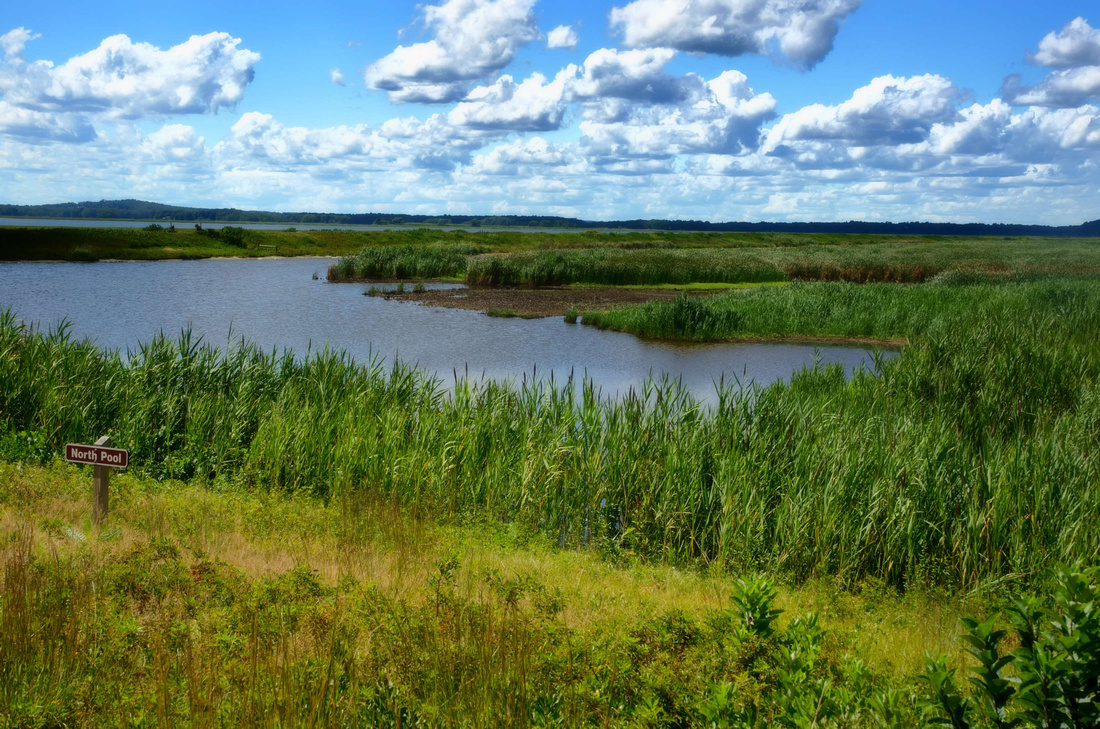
{"x": 776, "y": 110}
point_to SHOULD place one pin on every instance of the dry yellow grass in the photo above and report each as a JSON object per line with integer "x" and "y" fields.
{"x": 263, "y": 534}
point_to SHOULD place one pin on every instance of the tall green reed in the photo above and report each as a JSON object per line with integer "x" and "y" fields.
{"x": 971, "y": 456}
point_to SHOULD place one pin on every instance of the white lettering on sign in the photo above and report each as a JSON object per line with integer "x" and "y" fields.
{"x": 96, "y": 455}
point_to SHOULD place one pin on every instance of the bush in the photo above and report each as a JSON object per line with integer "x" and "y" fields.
{"x": 234, "y": 236}
{"x": 1053, "y": 675}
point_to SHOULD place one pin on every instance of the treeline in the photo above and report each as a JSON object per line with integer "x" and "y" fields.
{"x": 141, "y": 210}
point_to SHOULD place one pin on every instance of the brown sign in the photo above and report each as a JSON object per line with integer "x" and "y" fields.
{"x": 96, "y": 455}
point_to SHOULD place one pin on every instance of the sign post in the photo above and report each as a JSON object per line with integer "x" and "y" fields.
{"x": 103, "y": 458}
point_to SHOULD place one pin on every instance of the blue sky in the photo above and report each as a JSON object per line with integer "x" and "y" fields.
{"x": 700, "y": 109}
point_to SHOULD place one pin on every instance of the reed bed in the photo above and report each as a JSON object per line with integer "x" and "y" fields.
{"x": 972, "y": 456}
{"x": 404, "y": 262}
{"x": 618, "y": 267}
{"x": 622, "y": 260}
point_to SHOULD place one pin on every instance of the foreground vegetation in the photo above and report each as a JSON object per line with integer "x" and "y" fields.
{"x": 200, "y": 607}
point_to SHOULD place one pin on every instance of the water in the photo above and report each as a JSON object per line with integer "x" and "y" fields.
{"x": 276, "y": 303}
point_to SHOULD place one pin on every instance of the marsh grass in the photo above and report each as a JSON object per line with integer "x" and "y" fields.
{"x": 225, "y": 606}
{"x": 969, "y": 459}
{"x": 403, "y": 262}
{"x": 621, "y": 262}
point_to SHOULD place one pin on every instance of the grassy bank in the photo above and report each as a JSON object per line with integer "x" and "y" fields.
{"x": 631, "y": 262}
{"x": 851, "y": 311}
{"x": 156, "y": 243}
{"x": 969, "y": 459}
{"x": 136, "y": 244}
{"x": 504, "y": 258}
{"x": 205, "y": 607}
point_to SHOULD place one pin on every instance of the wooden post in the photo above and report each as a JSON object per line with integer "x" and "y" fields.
{"x": 101, "y": 486}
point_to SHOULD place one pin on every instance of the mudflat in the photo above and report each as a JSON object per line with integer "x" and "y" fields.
{"x": 537, "y": 302}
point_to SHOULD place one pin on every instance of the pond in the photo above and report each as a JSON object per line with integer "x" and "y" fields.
{"x": 277, "y": 303}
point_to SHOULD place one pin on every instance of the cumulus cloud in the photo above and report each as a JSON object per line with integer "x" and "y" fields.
{"x": 337, "y": 77}
{"x": 1074, "y": 53}
{"x": 261, "y": 137}
{"x": 524, "y": 156}
{"x": 1077, "y": 44}
{"x": 259, "y": 140}
{"x": 176, "y": 144}
{"x": 35, "y": 126}
{"x": 888, "y": 110}
{"x": 472, "y": 38}
{"x": 564, "y": 36}
{"x": 1062, "y": 88}
{"x": 533, "y": 105}
{"x": 131, "y": 80}
{"x": 14, "y": 41}
{"x": 721, "y": 116}
{"x": 803, "y": 31}
{"x": 636, "y": 75}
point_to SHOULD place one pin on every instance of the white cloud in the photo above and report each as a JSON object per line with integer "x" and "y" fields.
{"x": 337, "y": 77}
{"x": 888, "y": 110}
{"x": 722, "y": 116}
{"x": 124, "y": 79}
{"x": 524, "y": 156}
{"x": 1074, "y": 53}
{"x": 631, "y": 139}
{"x": 260, "y": 141}
{"x": 1077, "y": 44}
{"x": 14, "y": 41}
{"x": 636, "y": 75}
{"x": 260, "y": 138}
{"x": 1065, "y": 87}
{"x": 533, "y": 105}
{"x": 41, "y": 126}
{"x": 472, "y": 38}
{"x": 564, "y": 36}
{"x": 174, "y": 144}
{"x": 801, "y": 30}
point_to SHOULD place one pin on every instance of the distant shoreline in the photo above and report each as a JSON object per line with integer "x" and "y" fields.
{"x": 143, "y": 211}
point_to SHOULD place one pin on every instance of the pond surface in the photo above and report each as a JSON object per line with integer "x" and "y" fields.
{"x": 277, "y": 303}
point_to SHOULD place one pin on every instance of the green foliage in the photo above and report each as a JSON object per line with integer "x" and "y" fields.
{"x": 146, "y": 635}
{"x": 530, "y": 259}
{"x": 945, "y": 706}
{"x": 403, "y": 261}
{"x": 753, "y": 598}
{"x": 940, "y": 466}
{"x": 995, "y": 690}
{"x": 617, "y": 266}
{"x": 1054, "y": 671}
{"x": 233, "y": 235}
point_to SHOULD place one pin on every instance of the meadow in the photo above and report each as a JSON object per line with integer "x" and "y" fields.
{"x": 214, "y": 607}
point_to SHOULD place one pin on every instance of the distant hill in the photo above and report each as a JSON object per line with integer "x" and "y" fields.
{"x": 141, "y": 210}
